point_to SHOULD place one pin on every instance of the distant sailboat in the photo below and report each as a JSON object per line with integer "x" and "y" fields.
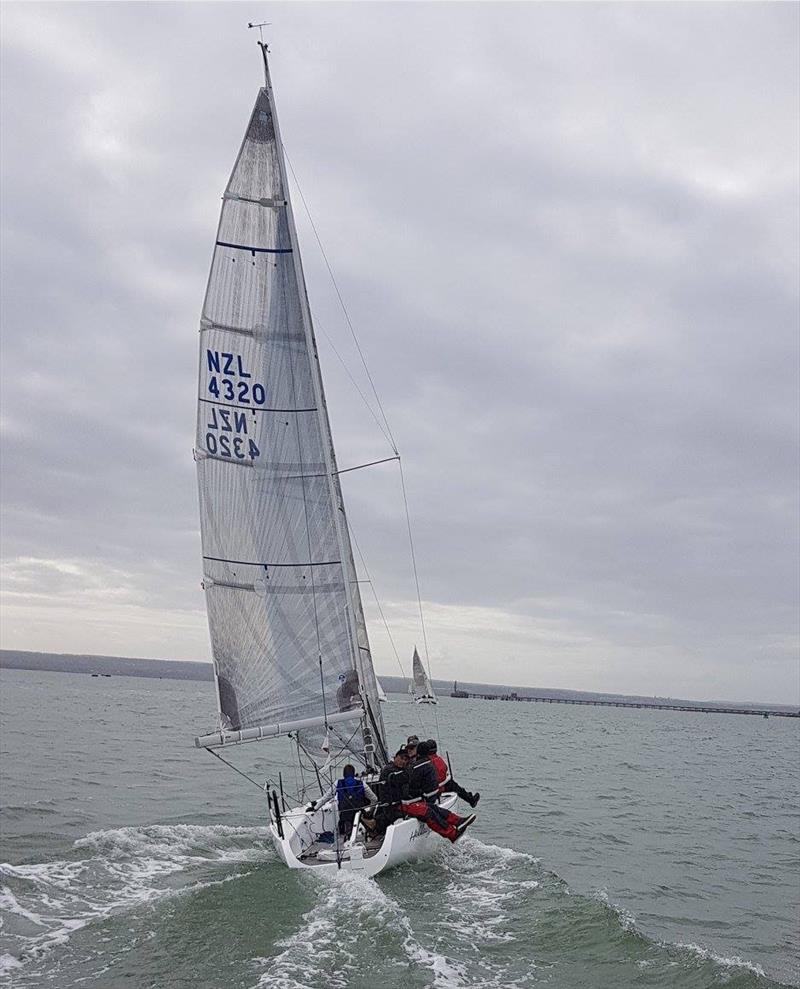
{"x": 288, "y": 634}
{"x": 421, "y": 688}
{"x": 381, "y": 693}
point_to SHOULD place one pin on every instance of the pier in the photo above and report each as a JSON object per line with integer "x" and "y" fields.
{"x": 649, "y": 705}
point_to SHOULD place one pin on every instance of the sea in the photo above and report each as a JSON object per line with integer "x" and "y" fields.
{"x": 613, "y": 848}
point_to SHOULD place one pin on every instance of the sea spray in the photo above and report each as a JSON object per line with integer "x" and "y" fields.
{"x": 44, "y": 904}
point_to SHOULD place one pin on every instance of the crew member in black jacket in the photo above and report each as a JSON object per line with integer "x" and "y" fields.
{"x": 420, "y": 802}
{"x": 392, "y": 787}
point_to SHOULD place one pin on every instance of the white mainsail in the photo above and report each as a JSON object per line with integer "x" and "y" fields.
{"x": 421, "y": 687}
{"x": 287, "y": 627}
{"x": 381, "y": 693}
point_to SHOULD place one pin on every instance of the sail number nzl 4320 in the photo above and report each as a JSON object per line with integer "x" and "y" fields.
{"x": 231, "y": 392}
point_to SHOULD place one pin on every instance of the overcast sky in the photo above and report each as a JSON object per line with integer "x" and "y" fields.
{"x": 568, "y": 238}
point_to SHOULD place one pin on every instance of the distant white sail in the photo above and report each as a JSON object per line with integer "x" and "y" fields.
{"x": 284, "y": 610}
{"x": 421, "y": 687}
{"x": 381, "y": 693}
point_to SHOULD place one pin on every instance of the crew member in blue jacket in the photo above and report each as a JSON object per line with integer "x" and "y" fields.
{"x": 352, "y": 795}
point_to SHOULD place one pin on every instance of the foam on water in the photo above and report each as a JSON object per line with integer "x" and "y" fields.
{"x": 626, "y": 919}
{"x": 355, "y": 923}
{"x": 488, "y": 888}
{"x": 352, "y": 915}
{"x": 721, "y": 960}
{"x": 492, "y": 879}
{"x": 462, "y": 921}
{"x": 42, "y": 905}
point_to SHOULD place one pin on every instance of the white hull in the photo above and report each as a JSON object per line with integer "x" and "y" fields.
{"x": 425, "y": 700}
{"x": 405, "y": 841}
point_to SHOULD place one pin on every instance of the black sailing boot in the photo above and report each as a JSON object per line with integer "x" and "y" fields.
{"x": 463, "y": 824}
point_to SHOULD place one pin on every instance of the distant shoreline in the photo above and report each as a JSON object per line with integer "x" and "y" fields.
{"x": 170, "y": 669}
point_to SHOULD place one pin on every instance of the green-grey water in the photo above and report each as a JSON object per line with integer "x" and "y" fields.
{"x": 614, "y": 848}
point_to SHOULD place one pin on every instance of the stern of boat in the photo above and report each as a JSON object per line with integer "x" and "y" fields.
{"x": 297, "y": 835}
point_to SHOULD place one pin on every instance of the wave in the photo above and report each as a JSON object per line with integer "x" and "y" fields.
{"x": 335, "y": 944}
{"x": 42, "y": 905}
{"x": 479, "y": 916}
{"x": 735, "y": 962}
{"x": 627, "y": 922}
{"x": 475, "y": 916}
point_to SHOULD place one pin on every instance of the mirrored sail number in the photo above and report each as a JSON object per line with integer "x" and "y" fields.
{"x": 231, "y": 382}
{"x": 227, "y": 435}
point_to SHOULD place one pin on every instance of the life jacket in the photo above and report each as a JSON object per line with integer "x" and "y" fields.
{"x": 350, "y": 794}
{"x": 441, "y": 768}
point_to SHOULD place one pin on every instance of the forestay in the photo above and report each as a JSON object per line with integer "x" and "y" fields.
{"x": 287, "y": 627}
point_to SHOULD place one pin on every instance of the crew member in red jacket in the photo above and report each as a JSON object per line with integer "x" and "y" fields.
{"x": 446, "y": 783}
{"x": 420, "y": 802}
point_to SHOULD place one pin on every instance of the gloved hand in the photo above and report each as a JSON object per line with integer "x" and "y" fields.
{"x": 311, "y": 807}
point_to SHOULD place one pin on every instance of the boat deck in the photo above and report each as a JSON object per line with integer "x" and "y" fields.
{"x": 311, "y": 854}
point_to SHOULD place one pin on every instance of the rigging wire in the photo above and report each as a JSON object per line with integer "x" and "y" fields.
{"x": 239, "y": 771}
{"x": 353, "y": 381}
{"x": 416, "y": 583}
{"x": 301, "y": 787}
{"x": 335, "y": 757}
{"x": 387, "y": 432}
{"x": 390, "y": 437}
{"x": 385, "y": 622}
{"x": 311, "y": 571}
{"x": 370, "y": 581}
{"x": 332, "y": 786}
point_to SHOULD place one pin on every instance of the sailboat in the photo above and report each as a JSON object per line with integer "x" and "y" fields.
{"x": 381, "y": 693}
{"x": 421, "y": 688}
{"x": 288, "y": 635}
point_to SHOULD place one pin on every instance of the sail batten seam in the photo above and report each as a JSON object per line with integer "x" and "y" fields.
{"x": 254, "y": 408}
{"x": 250, "y": 563}
{"x": 265, "y": 201}
{"x": 255, "y": 250}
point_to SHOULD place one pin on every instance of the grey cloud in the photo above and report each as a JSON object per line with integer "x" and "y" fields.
{"x": 568, "y": 236}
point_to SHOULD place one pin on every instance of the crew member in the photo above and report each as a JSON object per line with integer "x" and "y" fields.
{"x": 446, "y": 782}
{"x": 393, "y": 785}
{"x": 352, "y": 795}
{"x": 423, "y": 789}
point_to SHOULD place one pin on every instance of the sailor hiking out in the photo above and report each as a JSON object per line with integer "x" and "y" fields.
{"x": 423, "y": 790}
{"x": 446, "y": 782}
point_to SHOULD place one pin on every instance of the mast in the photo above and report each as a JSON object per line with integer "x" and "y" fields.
{"x": 370, "y": 729}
